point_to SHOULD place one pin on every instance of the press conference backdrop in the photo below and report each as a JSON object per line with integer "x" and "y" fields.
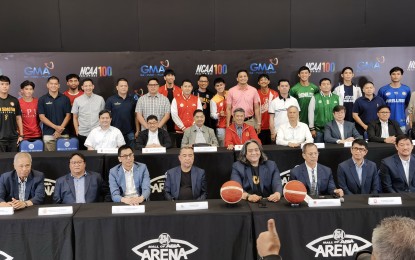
{"x": 105, "y": 67}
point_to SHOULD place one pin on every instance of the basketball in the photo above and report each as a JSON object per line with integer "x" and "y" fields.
{"x": 231, "y": 192}
{"x": 294, "y": 192}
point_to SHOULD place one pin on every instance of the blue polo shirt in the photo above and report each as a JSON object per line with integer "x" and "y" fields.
{"x": 367, "y": 109}
{"x": 122, "y": 112}
{"x": 54, "y": 109}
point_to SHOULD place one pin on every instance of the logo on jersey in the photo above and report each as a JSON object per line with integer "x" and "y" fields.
{"x": 339, "y": 244}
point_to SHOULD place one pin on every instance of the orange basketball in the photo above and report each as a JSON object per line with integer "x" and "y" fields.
{"x": 295, "y": 192}
{"x": 231, "y": 192}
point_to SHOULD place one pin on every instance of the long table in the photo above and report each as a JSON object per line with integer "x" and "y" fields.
{"x": 25, "y": 235}
{"x": 220, "y": 232}
{"x": 217, "y": 165}
{"x": 327, "y": 233}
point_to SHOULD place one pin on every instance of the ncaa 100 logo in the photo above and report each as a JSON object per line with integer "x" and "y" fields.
{"x": 211, "y": 69}
{"x": 97, "y": 71}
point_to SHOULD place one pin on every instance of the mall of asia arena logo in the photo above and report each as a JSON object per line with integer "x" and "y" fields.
{"x": 6, "y": 256}
{"x": 43, "y": 71}
{"x": 95, "y": 72}
{"x": 338, "y": 244}
{"x": 211, "y": 69}
{"x": 411, "y": 66}
{"x": 154, "y": 70}
{"x": 324, "y": 66}
{"x": 164, "y": 248}
{"x": 49, "y": 186}
{"x": 157, "y": 184}
{"x": 371, "y": 64}
{"x": 264, "y": 67}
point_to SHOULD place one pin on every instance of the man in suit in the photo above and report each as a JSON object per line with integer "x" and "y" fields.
{"x": 185, "y": 182}
{"x": 80, "y": 186}
{"x": 358, "y": 175}
{"x": 129, "y": 181}
{"x": 22, "y": 187}
{"x": 198, "y": 133}
{"x": 317, "y": 178}
{"x": 383, "y": 130}
{"x": 339, "y": 131}
{"x": 153, "y": 136}
{"x": 397, "y": 171}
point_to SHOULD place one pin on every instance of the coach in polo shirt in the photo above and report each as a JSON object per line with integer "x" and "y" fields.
{"x": 54, "y": 111}
{"x": 153, "y": 103}
{"x": 246, "y": 97}
{"x": 85, "y": 111}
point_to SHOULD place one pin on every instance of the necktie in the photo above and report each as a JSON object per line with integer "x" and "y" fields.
{"x": 313, "y": 190}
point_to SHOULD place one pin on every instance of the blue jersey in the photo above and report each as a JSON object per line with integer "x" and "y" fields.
{"x": 397, "y": 99}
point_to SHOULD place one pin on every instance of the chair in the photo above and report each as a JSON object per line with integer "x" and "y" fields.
{"x": 34, "y": 146}
{"x": 67, "y": 144}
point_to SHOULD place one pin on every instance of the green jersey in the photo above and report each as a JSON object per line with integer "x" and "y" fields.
{"x": 323, "y": 109}
{"x": 303, "y": 94}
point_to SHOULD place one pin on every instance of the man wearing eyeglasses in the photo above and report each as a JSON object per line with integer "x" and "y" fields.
{"x": 153, "y": 103}
{"x": 383, "y": 130}
{"x": 358, "y": 175}
{"x": 317, "y": 178}
{"x": 129, "y": 181}
{"x": 79, "y": 185}
{"x": 23, "y": 187}
{"x": 339, "y": 131}
{"x": 205, "y": 95}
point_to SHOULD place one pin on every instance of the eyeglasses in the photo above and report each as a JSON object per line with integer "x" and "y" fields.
{"x": 152, "y": 85}
{"x": 131, "y": 155}
{"x": 77, "y": 162}
{"x": 384, "y": 112}
{"x": 253, "y": 150}
{"x": 357, "y": 149}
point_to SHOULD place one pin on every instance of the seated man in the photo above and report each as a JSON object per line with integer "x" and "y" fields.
{"x": 339, "y": 131}
{"x": 397, "y": 172}
{"x": 198, "y": 133}
{"x": 383, "y": 130}
{"x": 293, "y": 133}
{"x": 185, "y": 182}
{"x": 129, "y": 181}
{"x": 317, "y": 178}
{"x": 105, "y": 135}
{"x": 22, "y": 187}
{"x": 153, "y": 136}
{"x": 239, "y": 132}
{"x": 79, "y": 185}
{"x": 358, "y": 175}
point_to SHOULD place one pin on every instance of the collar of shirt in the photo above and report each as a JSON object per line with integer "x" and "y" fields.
{"x": 153, "y": 133}
{"x": 290, "y": 126}
{"x": 83, "y": 175}
{"x": 329, "y": 95}
{"x": 239, "y": 127}
{"x": 20, "y": 181}
{"x": 384, "y": 123}
{"x": 355, "y": 163}
{"x": 281, "y": 97}
{"x": 130, "y": 171}
{"x": 151, "y": 96}
{"x": 199, "y": 129}
{"x": 405, "y": 161}
{"x": 309, "y": 169}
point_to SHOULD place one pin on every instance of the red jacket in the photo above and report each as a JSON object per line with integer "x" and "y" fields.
{"x": 231, "y": 135}
{"x": 176, "y": 91}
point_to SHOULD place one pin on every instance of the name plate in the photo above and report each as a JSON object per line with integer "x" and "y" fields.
{"x": 191, "y": 205}
{"x": 324, "y": 203}
{"x": 128, "y": 209}
{"x": 107, "y": 150}
{"x": 320, "y": 145}
{"x": 205, "y": 149}
{"x": 238, "y": 147}
{"x": 48, "y": 211}
{"x": 6, "y": 211}
{"x": 385, "y": 201}
{"x": 154, "y": 150}
{"x": 348, "y": 144}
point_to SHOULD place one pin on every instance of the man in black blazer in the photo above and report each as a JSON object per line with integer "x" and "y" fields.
{"x": 339, "y": 131}
{"x": 153, "y": 136}
{"x": 358, "y": 175}
{"x": 397, "y": 172}
{"x": 383, "y": 130}
{"x": 22, "y": 187}
{"x": 310, "y": 171}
